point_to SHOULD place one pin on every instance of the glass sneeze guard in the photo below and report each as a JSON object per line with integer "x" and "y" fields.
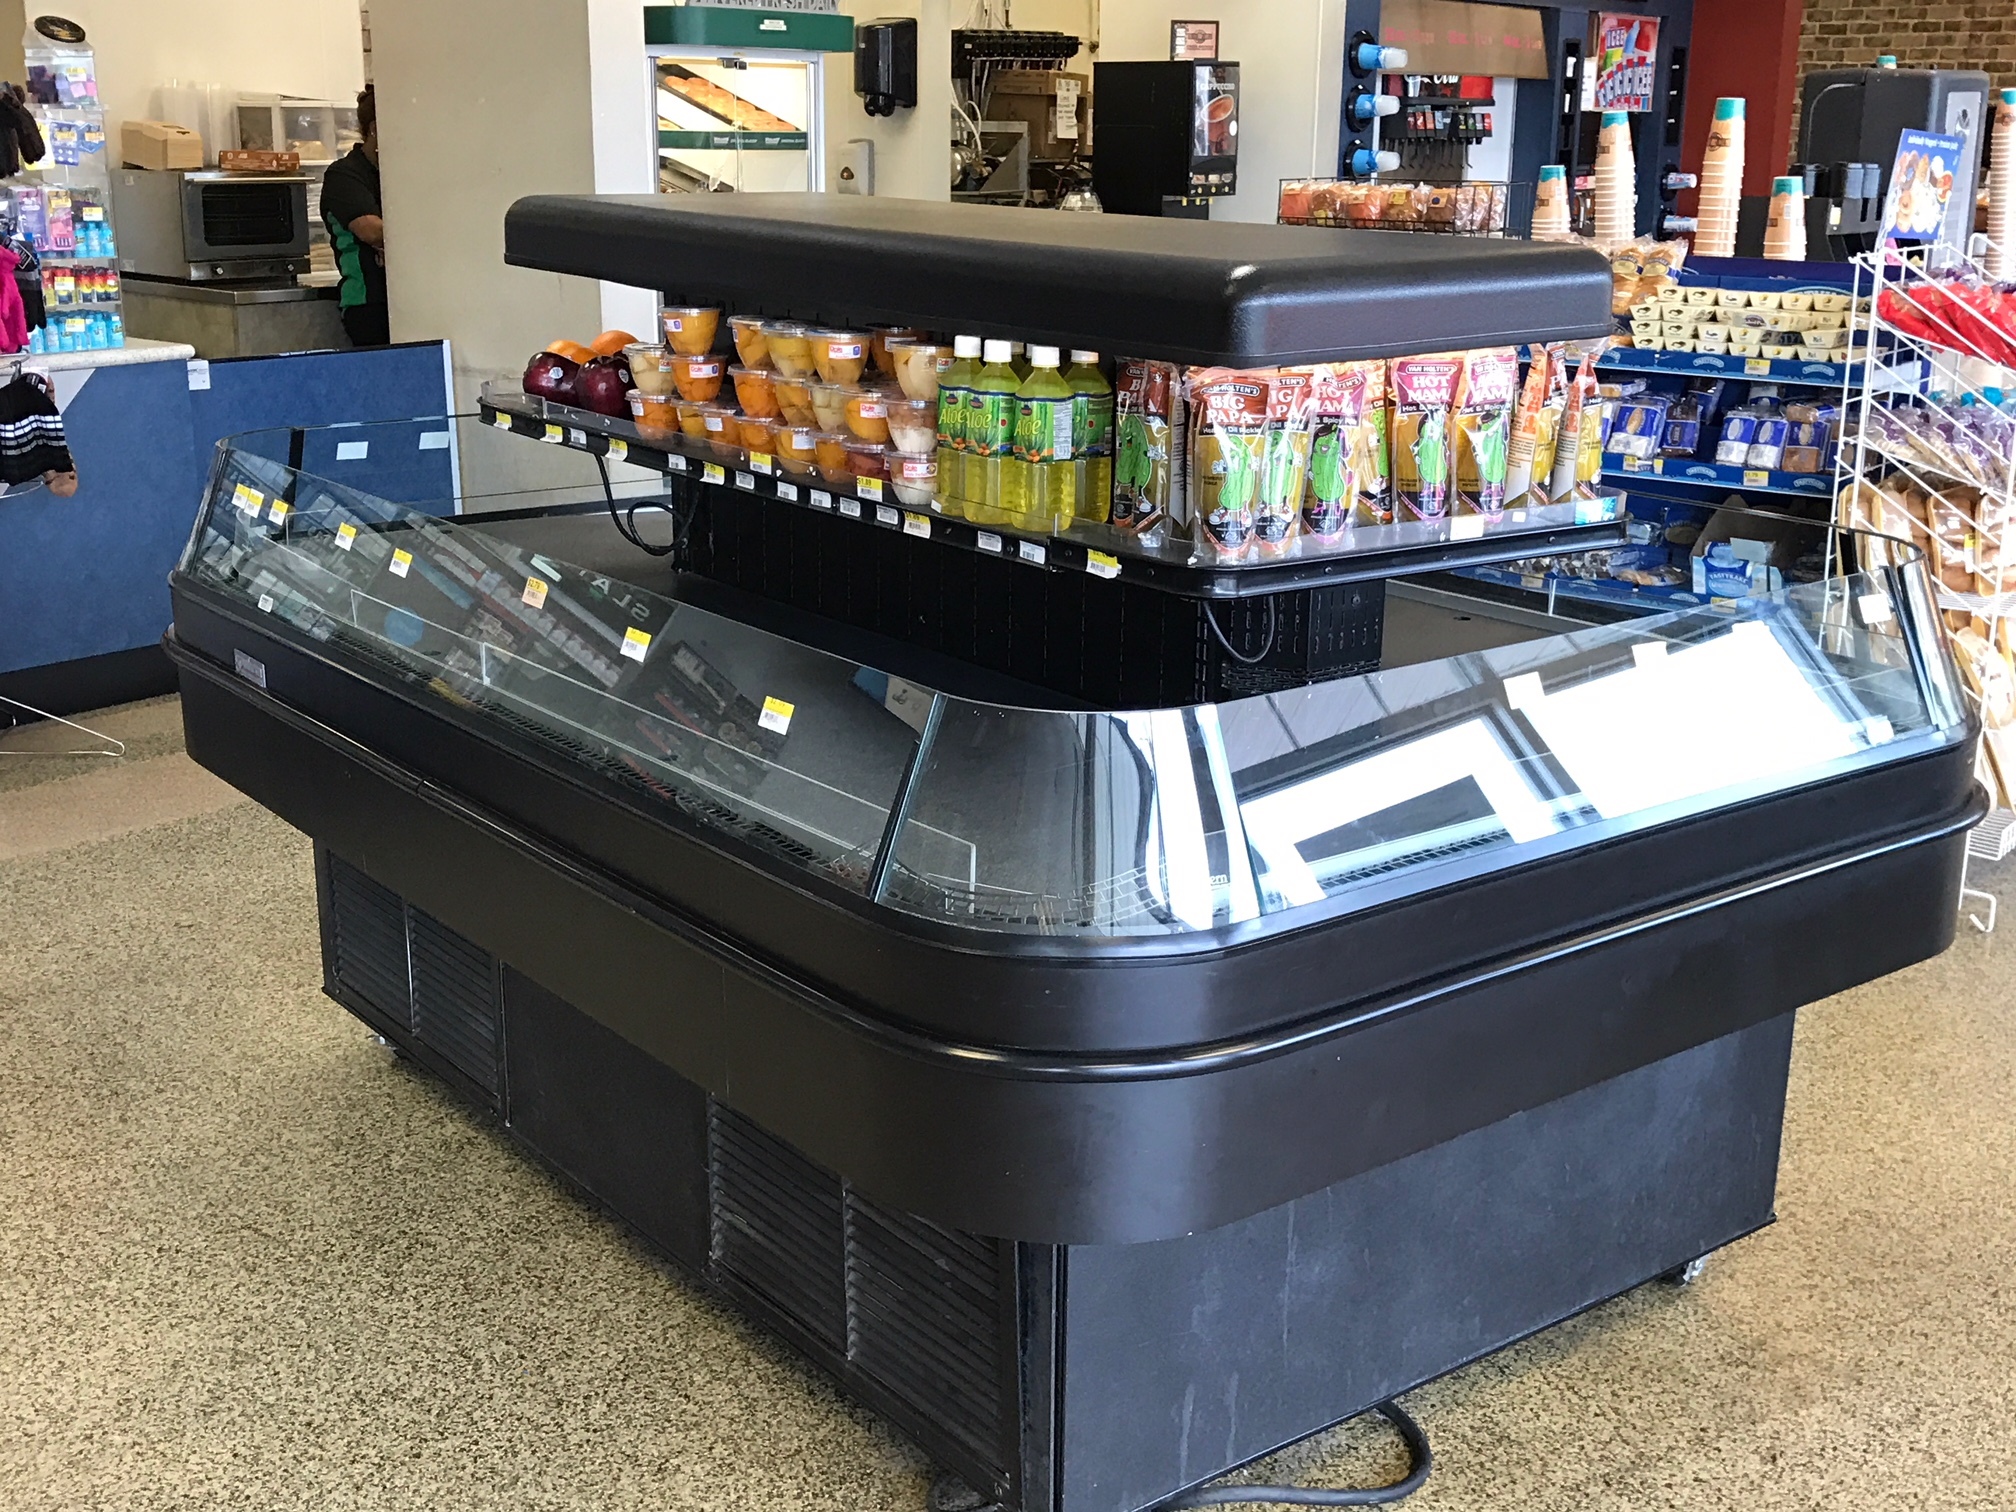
{"x": 1130, "y": 824}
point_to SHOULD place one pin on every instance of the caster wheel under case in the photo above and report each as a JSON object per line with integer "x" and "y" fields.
{"x": 387, "y": 1045}
{"x": 951, "y": 1494}
{"x": 1688, "y": 1274}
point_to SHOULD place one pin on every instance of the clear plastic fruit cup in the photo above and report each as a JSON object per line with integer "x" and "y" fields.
{"x": 690, "y": 329}
{"x": 913, "y": 424}
{"x": 698, "y": 379}
{"x": 790, "y": 348}
{"x": 794, "y": 399}
{"x": 914, "y": 476}
{"x": 756, "y": 391}
{"x": 840, "y": 356}
{"x": 829, "y": 451}
{"x": 797, "y": 448}
{"x": 867, "y": 414}
{"x": 650, "y": 367}
{"x": 751, "y": 344}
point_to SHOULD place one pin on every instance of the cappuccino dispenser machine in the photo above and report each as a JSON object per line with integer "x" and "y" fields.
{"x": 1168, "y": 136}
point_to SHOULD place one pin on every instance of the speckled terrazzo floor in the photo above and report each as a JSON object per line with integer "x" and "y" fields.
{"x": 248, "y": 1260}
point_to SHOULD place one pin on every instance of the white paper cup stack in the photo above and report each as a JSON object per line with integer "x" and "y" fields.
{"x": 1721, "y": 182}
{"x": 1785, "y": 228}
{"x": 2002, "y": 190}
{"x": 1616, "y": 182}
{"x": 1550, "y": 202}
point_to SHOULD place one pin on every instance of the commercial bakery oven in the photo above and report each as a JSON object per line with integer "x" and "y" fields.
{"x": 1106, "y": 1094}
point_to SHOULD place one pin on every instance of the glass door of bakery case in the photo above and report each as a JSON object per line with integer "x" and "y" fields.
{"x": 738, "y": 120}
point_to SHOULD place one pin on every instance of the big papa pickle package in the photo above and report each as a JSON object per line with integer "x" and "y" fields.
{"x": 1147, "y": 402}
{"x": 1228, "y": 447}
{"x": 1483, "y": 425}
{"x": 1285, "y": 467}
{"x": 1424, "y": 389}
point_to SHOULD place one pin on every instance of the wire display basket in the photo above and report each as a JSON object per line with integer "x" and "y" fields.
{"x": 1476, "y": 209}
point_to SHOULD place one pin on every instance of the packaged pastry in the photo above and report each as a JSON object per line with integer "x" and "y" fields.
{"x": 1285, "y": 465}
{"x": 1483, "y": 425}
{"x": 1639, "y": 426}
{"x": 1423, "y": 390}
{"x": 1336, "y": 414}
{"x": 1228, "y": 453}
{"x": 1147, "y": 404}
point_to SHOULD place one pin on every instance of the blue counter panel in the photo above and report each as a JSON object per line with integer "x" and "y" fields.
{"x": 89, "y": 575}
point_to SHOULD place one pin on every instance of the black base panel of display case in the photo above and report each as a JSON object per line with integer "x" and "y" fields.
{"x": 1110, "y": 643}
{"x": 89, "y": 682}
{"x": 1092, "y": 1378}
{"x": 1096, "y": 1146}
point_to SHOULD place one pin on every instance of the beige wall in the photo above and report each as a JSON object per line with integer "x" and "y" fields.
{"x": 313, "y": 48}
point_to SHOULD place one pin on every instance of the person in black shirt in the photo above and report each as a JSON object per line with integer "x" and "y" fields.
{"x": 356, "y": 220}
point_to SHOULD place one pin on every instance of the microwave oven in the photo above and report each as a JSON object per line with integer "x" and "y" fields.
{"x": 201, "y": 227}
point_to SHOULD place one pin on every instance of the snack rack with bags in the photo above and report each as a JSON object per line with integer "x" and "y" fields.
{"x": 1469, "y": 209}
{"x": 1929, "y": 457}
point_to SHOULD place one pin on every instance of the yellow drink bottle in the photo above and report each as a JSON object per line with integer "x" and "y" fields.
{"x": 1037, "y": 482}
{"x": 990, "y": 433}
{"x": 955, "y": 388}
{"x": 1091, "y": 438}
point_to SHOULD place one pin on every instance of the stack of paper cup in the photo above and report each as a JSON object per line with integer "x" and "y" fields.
{"x": 1785, "y": 228}
{"x": 2001, "y": 189}
{"x": 1550, "y": 202}
{"x": 1721, "y": 182}
{"x": 1616, "y": 182}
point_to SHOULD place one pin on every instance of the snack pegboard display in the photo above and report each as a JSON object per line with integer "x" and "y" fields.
{"x": 1929, "y": 456}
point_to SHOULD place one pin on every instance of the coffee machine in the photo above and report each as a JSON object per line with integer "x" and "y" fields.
{"x": 1168, "y": 136}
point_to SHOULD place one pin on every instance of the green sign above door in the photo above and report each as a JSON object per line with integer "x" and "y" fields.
{"x": 737, "y": 30}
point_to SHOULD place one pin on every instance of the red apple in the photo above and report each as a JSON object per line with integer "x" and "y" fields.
{"x": 602, "y": 385}
{"x": 551, "y": 376}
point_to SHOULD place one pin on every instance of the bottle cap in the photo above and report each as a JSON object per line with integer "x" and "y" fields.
{"x": 1729, "y": 108}
{"x": 1080, "y": 355}
{"x": 1042, "y": 356}
{"x": 965, "y": 346}
{"x": 997, "y": 351}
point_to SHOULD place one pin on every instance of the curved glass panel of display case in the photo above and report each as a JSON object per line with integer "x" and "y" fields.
{"x": 1333, "y": 797}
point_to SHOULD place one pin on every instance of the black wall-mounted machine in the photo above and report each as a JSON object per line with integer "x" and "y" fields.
{"x": 885, "y": 65}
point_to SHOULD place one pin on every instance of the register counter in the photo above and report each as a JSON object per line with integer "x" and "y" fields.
{"x": 1106, "y": 1094}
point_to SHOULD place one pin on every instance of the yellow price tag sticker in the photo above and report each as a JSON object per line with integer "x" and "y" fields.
{"x": 776, "y": 715}
{"x": 635, "y": 643}
{"x": 248, "y": 498}
{"x": 346, "y": 536}
{"x": 534, "y": 596}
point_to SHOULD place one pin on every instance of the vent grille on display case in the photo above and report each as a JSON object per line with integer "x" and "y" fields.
{"x": 924, "y": 1317}
{"x": 778, "y": 1227}
{"x": 456, "y": 1010}
{"x": 367, "y": 926}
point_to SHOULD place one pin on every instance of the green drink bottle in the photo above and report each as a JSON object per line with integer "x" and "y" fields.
{"x": 990, "y": 433}
{"x": 955, "y": 389}
{"x": 1037, "y": 482}
{"x": 1091, "y": 438}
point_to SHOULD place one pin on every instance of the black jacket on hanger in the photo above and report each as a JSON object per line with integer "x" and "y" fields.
{"x": 31, "y": 433}
{"x": 20, "y": 136}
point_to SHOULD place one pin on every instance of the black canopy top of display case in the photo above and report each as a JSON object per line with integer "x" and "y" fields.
{"x": 1189, "y": 291}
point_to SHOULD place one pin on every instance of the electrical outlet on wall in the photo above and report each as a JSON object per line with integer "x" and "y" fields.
{"x": 854, "y": 172}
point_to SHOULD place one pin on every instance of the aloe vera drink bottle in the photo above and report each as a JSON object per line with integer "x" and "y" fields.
{"x": 955, "y": 388}
{"x": 1091, "y": 438}
{"x": 990, "y": 432}
{"x": 1037, "y": 481}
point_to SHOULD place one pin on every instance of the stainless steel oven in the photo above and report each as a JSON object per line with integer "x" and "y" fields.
{"x": 210, "y": 225}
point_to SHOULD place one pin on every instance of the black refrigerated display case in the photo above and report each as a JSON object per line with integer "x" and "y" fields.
{"x": 1106, "y": 1094}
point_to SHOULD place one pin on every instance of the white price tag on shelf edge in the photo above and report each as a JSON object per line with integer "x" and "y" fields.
{"x": 884, "y": 515}
{"x": 746, "y": 482}
{"x": 1466, "y": 527}
{"x": 818, "y": 498}
{"x": 788, "y": 492}
{"x": 986, "y": 540}
{"x": 850, "y": 507}
{"x": 1029, "y": 551}
{"x": 265, "y": 603}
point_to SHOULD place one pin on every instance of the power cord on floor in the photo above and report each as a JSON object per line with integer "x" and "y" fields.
{"x": 1420, "y": 1460}
{"x": 1266, "y": 646}
{"x": 626, "y": 521}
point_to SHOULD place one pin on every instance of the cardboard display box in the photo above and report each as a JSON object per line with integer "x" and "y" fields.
{"x": 159, "y": 145}
{"x": 1056, "y": 106}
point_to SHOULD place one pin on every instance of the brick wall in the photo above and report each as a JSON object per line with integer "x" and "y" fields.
{"x": 1942, "y": 34}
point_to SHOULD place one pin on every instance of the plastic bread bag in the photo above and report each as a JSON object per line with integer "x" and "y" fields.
{"x": 1228, "y": 455}
{"x": 1337, "y": 411}
{"x": 1482, "y": 427}
{"x": 1145, "y": 404}
{"x": 1424, "y": 389}
{"x": 1285, "y": 462}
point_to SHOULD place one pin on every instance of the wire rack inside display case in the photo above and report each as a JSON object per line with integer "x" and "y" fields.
{"x": 1928, "y": 455}
{"x": 1477, "y": 209}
